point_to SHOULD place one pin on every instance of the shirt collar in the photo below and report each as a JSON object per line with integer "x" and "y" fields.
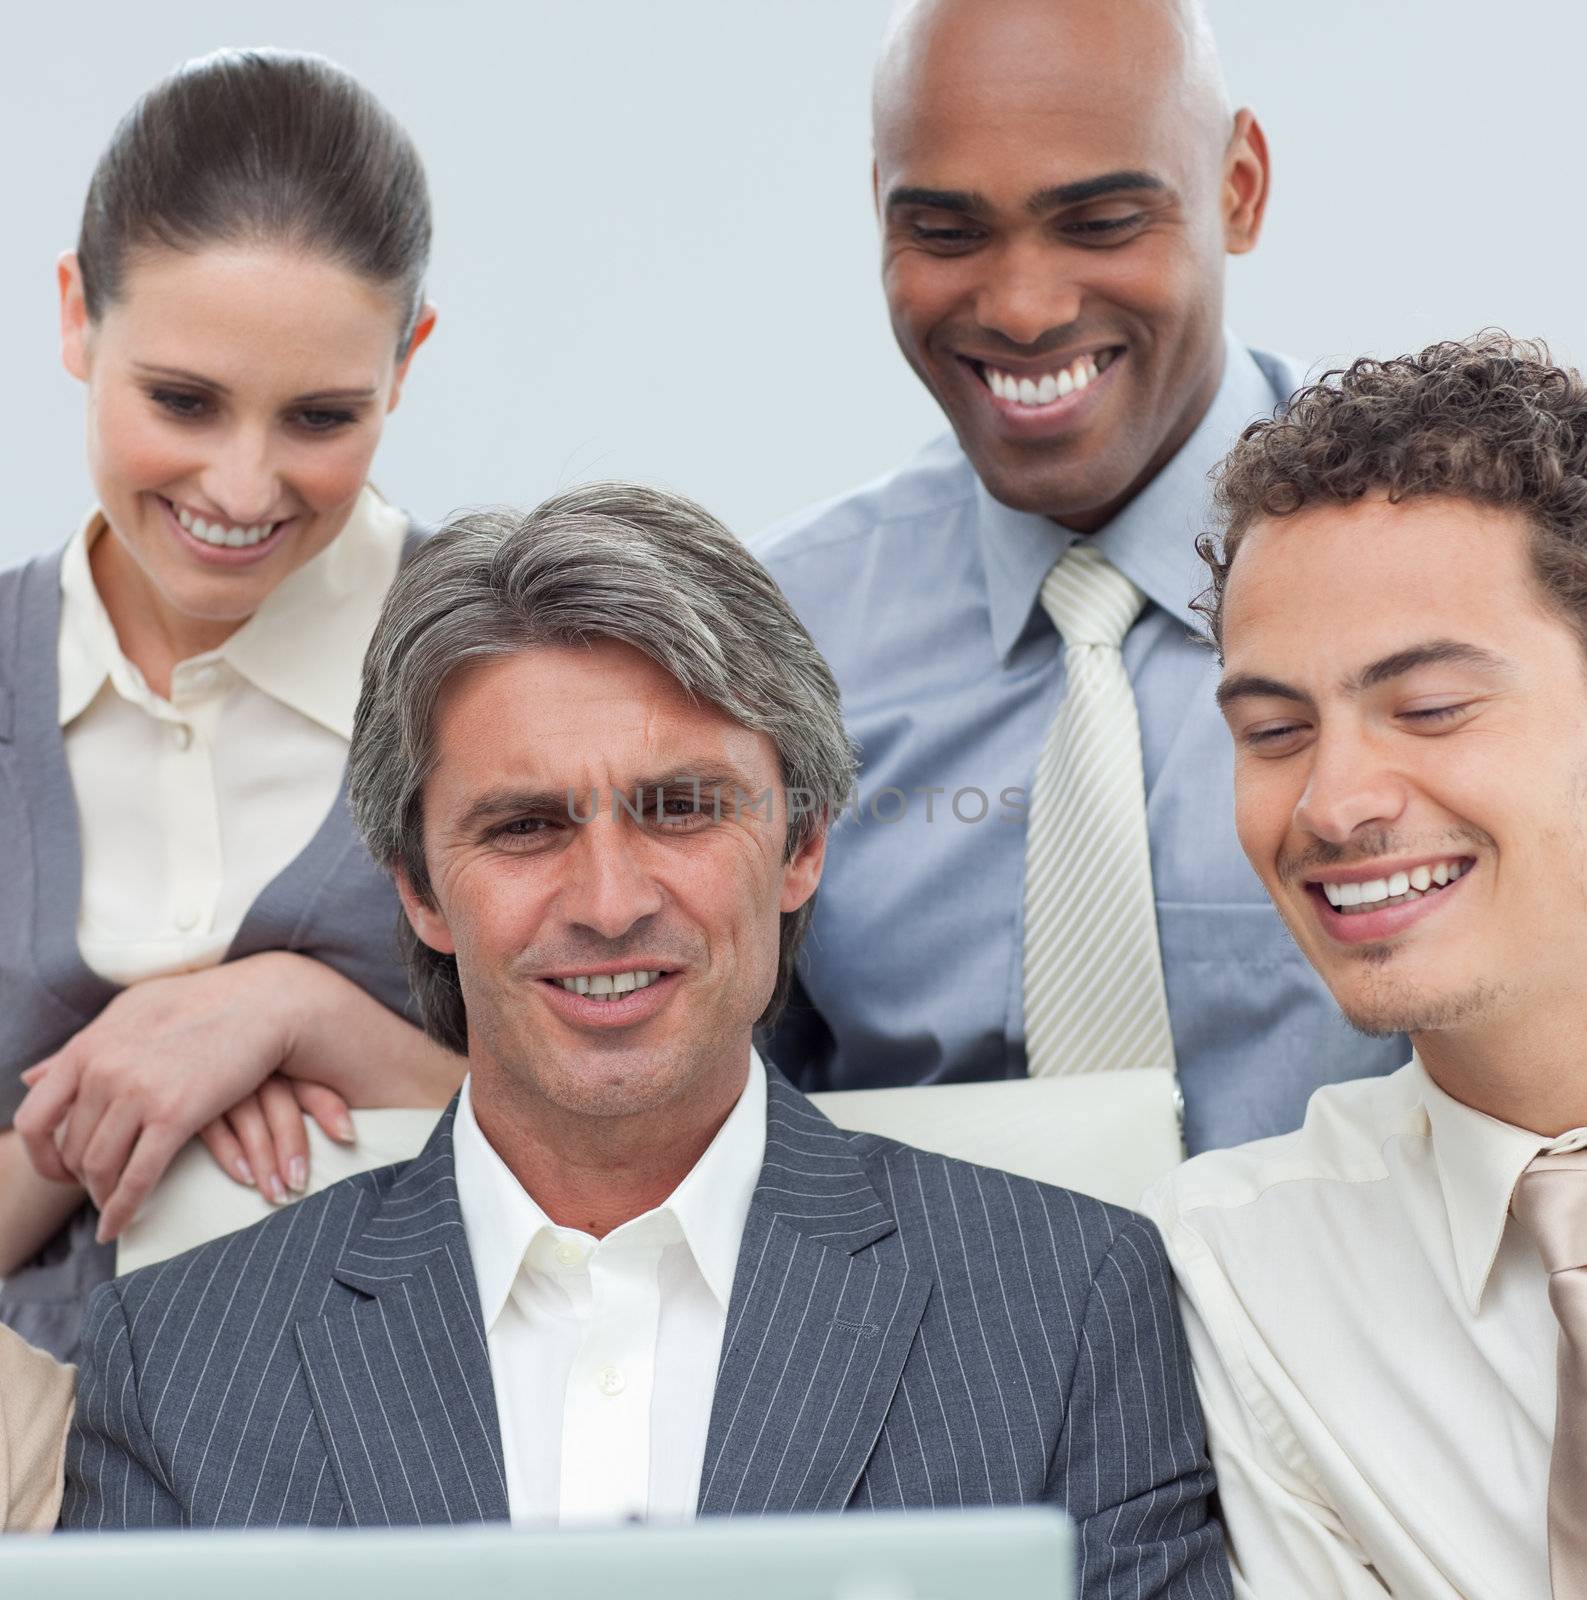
{"x": 1152, "y": 541}
{"x": 88, "y": 649}
{"x": 1479, "y": 1160}
{"x": 304, "y": 646}
{"x": 710, "y": 1206}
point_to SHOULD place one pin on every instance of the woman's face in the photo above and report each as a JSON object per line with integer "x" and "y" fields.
{"x": 235, "y": 398}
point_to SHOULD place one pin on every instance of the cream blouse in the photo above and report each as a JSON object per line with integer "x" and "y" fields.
{"x": 189, "y": 806}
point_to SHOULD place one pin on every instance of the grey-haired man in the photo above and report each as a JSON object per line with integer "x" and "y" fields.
{"x": 634, "y": 1272}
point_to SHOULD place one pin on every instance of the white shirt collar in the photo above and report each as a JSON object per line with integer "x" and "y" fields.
{"x": 709, "y": 1207}
{"x": 304, "y": 646}
{"x": 1479, "y": 1160}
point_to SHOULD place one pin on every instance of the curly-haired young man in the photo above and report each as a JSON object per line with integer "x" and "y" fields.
{"x": 1387, "y": 1307}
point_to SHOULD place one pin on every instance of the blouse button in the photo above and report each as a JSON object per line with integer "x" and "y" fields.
{"x": 610, "y": 1381}
{"x": 181, "y": 735}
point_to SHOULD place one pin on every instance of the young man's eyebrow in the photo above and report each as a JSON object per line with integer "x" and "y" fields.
{"x": 1252, "y": 686}
{"x": 1432, "y": 653}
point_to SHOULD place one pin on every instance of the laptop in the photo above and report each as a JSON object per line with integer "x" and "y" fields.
{"x": 1015, "y": 1554}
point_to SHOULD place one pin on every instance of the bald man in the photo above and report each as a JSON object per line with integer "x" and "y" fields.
{"x": 1058, "y": 184}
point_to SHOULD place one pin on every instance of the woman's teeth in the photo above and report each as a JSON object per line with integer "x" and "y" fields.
{"x": 217, "y": 533}
{"x": 609, "y": 985}
{"x": 1394, "y": 890}
{"x": 1050, "y": 386}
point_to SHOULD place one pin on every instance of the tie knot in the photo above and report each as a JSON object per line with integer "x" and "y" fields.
{"x": 1089, "y": 600}
{"x": 1550, "y": 1202}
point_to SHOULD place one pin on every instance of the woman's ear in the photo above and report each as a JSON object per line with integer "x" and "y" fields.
{"x": 422, "y": 330}
{"x": 75, "y": 327}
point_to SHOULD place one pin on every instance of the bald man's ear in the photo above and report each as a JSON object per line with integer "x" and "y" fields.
{"x": 1245, "y": 184}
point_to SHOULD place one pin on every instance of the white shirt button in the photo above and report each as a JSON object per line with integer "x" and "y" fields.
{"x": 187, "y": 917}
{"x": 610, "y": 1381}
{"x": 181, "y": 735}
{"x": 569, "y": 1254}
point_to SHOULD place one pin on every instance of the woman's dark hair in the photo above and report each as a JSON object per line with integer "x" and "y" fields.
{"x": 254, "y": 146}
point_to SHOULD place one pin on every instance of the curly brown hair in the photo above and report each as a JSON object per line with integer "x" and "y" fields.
{"x": 1490, "y": 419}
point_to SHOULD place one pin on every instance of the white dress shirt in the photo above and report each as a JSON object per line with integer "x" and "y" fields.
{"x": 604, "y": 1352}
{"x": 1374, "y": 1347}
{"x": 189, "y": 806}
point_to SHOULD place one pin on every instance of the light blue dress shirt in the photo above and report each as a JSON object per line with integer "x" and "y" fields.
{"x": 923, "y": 593}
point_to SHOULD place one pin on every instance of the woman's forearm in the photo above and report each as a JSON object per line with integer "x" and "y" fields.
{"x": 32, "y": 1209}
{"x": 344, "y": 1038}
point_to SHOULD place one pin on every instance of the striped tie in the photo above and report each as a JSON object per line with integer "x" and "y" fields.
{"x": 1094, "y": 995}
{"x": 1550, "y": 1202}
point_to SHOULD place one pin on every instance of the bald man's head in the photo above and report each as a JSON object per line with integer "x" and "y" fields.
{"x": 1058, "y": 182}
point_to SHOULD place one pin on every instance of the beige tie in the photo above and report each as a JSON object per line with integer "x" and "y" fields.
{"x": 1094, "y": 995}
{"x": 1550, "y": 1202}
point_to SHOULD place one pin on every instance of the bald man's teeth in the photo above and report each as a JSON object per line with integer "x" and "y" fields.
{"x": 1395, "y": 890}
{"x": 1050, "y": 386}
{"x": 609, "y": 985}
{"x": 218, "y": 534}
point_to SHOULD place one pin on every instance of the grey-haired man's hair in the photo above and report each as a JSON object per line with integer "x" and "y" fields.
{"x": 608, "y": 561}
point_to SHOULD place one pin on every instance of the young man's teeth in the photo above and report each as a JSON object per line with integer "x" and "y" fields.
{"x": 1044, "y": 390}
{"x": 217, "y": 533}
{"x": 609, "y": 985}
{"x": 1393, "y": 890}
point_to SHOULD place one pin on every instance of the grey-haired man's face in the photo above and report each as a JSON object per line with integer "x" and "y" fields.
{"x": 610, "y": 962}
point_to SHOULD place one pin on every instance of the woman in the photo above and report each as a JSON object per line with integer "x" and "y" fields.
{"x": 196, "y": 942}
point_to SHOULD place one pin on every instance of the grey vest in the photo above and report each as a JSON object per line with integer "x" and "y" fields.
{"x": 331, "y": 903}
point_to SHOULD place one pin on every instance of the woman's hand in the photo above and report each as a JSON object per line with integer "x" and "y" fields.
{"x": 163, "y": 1060}
{"x": 263, "y": 1140}
{"x": 171, "y": 1057}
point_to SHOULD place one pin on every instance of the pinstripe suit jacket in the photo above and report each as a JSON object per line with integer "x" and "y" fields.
{"x": 904, "y": 1331}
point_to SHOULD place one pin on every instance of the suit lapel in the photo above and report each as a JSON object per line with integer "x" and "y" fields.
{"x": 817, "y": 1333}
{"x": 398, "y": 1371}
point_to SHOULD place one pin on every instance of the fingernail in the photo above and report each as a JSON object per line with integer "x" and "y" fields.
{"x": 244, "y": 1172}
{"x": 278, "y": 1195}
{"x": 344, "y": 1129}
{"x": 298, "y": 1173}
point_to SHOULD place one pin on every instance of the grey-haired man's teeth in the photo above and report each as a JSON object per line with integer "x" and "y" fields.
{"x": 609, "y": 985}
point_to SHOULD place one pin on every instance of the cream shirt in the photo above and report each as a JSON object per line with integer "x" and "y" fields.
{"x": 189, "y": 806}
{"x": 604, "y": 1352}
{"x": 1374, "y": 1347}
{"x": 36, "y": 1401}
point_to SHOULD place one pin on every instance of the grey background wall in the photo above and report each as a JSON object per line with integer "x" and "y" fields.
{"x": 655, "y": 252}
